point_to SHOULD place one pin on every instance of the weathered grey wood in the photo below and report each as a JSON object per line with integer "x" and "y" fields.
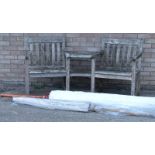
{"x": 52, "y": 67}
{"x": 63, "y": 62}
{"x": 123, "y": 57}
{"x": 30, "y": 56}
{"x": 27, "y": 77}
{"x": 58, "y": 53}
{"x": 45, "y": 56}
{"x": 124, "y": 53}
{"x": 113, "y": 75}
{"x": 42, "y": 51}
{"x": 138, "y": 84}
{"x": 53, "y": 53}
{"x": 92, "y": 74}
{"x": 37, "y": 51}
{"x": 45, "y": 40}
{"x": 112, "y": 60}
{"x": 80, "y": 55}
{"x": 118, "y": 55}
{"x": 107, "y": 53}
{"x": 139, "y": 57}
{"x": 68, "y": 73}
{"x": 80, "y": 75}
{"x": 122, "y": 41}
{"x": 129, "y": 53}
{"x": 133, "y": 80}
{"x": 48, "y": 75}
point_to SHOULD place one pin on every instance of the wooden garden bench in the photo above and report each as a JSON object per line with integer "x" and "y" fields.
{"x": 44, "y": 58}
{"x": 121, "y": 59}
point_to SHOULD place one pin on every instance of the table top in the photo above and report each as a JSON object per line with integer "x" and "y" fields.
{"x": 82, "y": 54}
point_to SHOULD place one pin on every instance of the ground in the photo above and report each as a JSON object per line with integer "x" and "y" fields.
{"x": 24, "y": 113}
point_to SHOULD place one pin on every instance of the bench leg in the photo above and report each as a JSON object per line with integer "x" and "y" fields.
{"x": 92, "y": 75}
{"x": 138, "y": 85}
{"x": 135, "y": 85}
{"x": 27, "y": 85}
{"x": 133, "y": 88}
{"x": 133, "y": 80}
{"x": 27, "y": 80}
{"x": 27, "y": 88}
{"x": 68, "y": 74}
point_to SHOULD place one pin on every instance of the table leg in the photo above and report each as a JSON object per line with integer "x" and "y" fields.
{"x": 93, "y": 75}
{"x": 68, "y": 74}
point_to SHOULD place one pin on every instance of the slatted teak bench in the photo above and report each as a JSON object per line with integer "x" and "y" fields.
{"x": 44, "y": 58}
{"x": 121, "y": 59}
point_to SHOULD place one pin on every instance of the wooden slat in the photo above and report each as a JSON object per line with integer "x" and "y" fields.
{"x": 58, "y": 52}
{"x": 103, "y": 46}
{"x": 49, "y": 67}
{"x": 80, "y": 75}
{"x": 134, "y": 51}
{"x": 31, "y": 51}
{"x": 41, "y": 75}
{"x": 62, "y": 52}
{"x": 45, "y": 40}
{"x": 124, "y": 52}
{"x": 113, "y": 73}
{"x": 129, "y": 52}
{"x": 47, "y": 54}
{"x": 122, "y": 41}
{"x": 113, "y": 55}
{"x": 118, "y": 55}
{"x": 116, "y": 77}
{"x": 42, "y": 54}
{"x": 37, "y": 53}
{"x": 53, "y": 53}
{"x": 34, "y": 61}
{"x": 50, "y": 50}
{"x": 107, "y": 53}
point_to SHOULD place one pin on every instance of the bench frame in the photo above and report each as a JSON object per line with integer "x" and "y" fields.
{"x": 134, "y": 60}
{"x": 56, "y": 46}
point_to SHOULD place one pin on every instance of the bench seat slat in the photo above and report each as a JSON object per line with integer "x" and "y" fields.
{"x": 113, "y": 75}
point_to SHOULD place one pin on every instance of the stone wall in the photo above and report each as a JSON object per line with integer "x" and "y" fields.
{"x": 12, "y": 54}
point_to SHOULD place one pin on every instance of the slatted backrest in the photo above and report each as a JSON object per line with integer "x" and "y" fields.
{"x": 117, "y": 53}
{"x": 46, "y": 52}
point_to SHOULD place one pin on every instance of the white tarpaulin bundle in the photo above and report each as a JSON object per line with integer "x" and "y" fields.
{"x": 85, "y": 101}
{"x": 53, "y": 104}
{"x": 112, "y": 102}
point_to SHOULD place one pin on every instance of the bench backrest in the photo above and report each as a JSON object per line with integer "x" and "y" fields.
{"x": 46, "y": 52}
{"x": 117, "y": 53}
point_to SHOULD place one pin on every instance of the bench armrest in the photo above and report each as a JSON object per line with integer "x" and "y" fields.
{"x": 136, "y": 57}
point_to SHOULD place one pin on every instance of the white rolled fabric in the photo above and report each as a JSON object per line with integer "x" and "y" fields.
{"x": 122, "y": 103}
{"x": 53, "y": 104}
